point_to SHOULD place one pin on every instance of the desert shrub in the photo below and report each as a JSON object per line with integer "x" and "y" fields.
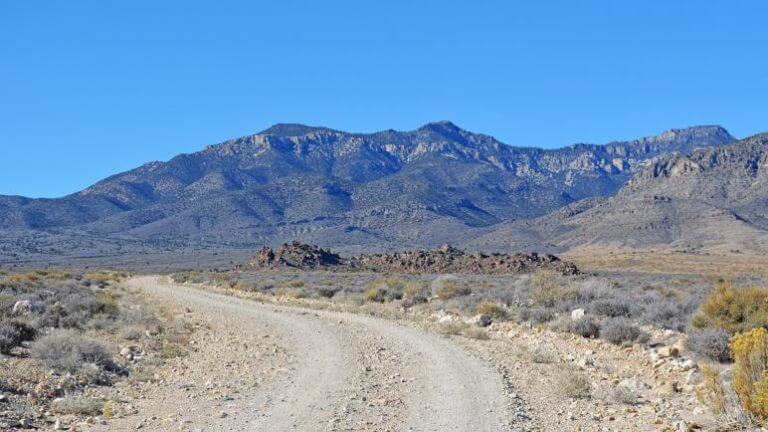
{"x": 66, "y": 351}
{"x": 621, "y": 394}
{"x": 611, "y": 307}
{"x": 101, "y": 279}
{"x": 414, "y": 293}
{"x": 711, "y": 391}
{"x": 6, "y": 305}
{"x": 549, "y": 290}
{"x": 591, "y": 289}
{"x": 668, "y": 314}
{"x": 13, "y": 333}
{"x": 544, "y": 355}
{"x": 190, "y": 276}
{"x": 108, "y": 302}
{"x": 586, "y": 327}
{"x": 77, "y": 406}
{"x": 538, "y": 315}
{"x": 493, "y": 310}
{"x": 750, "y": 380}
{"x": 385, "y": 289}
{"x": 72, "y": 306}
{"x": 290, "y": 292}
{"x": 733, "y": 309}
{"x": 619, "y": 330}
{"x": 447, "y": 287}
{"x": 327, "y": 292}
{"x": 477, "y": 333}
{"x": 452, "y": 327}
{"x": 710, "y": 343}
{"x": 574, "y": 384}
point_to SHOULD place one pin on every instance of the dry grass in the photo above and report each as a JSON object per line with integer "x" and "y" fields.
{"x": 448, "y": 287}
{"x": 544, "y": 355}
{"x": 549, "y": 289}
{"x": 476, "y": 333}
{"x": 77, "y": 405}
{"x": 493, "y": 310}
{"x": 711, "y": 391}
{"x": 665, "y": 261}
{"x": 574, "y": 384}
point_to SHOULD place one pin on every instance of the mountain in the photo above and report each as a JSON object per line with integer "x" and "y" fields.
{"x": 382, "y": 190}
{"x": 710, "y": 199}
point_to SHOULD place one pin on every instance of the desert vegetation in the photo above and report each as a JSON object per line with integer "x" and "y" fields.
{"x": 63, "y": 336}
{"x": 614, "y": 309}
{"x": 720, "y": 323}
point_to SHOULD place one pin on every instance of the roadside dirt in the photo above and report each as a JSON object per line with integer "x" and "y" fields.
{"x": 273, "y": 368}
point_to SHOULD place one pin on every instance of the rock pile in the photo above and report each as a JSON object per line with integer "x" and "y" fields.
{"x": 448, "y": 259}
{"x": 296, "y": 255}
{"x": 445, "y": 259}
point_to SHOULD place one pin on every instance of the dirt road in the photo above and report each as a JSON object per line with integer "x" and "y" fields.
{"x": 262, "y": 367}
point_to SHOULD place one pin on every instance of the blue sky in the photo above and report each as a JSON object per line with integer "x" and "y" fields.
{"x": 91, "y": 88}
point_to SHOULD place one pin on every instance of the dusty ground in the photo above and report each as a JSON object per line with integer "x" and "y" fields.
{"x": 271, "y": 368}
{"x": 665, "y": 261}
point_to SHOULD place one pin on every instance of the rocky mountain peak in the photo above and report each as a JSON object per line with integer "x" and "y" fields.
{"x": 292, "y": 130}
{"x": 692, "y": 133}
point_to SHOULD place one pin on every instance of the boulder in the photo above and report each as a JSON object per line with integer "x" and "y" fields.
{"x": 481, "y": 320}
{"x": 577, "y": 314}
{"x": 22, "y": 307}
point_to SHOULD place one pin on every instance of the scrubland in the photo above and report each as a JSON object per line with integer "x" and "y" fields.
{"x": 66, "y": 337}
{"x": 699, "y": 340}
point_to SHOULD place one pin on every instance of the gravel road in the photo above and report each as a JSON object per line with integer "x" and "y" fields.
{"x": 274, "y": 368}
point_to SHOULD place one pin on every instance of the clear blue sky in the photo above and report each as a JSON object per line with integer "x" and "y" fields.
{"x": 90, "y": 88}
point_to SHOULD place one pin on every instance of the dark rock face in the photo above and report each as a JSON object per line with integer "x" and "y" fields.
{"x": 295, "y": 255}
{"x": 445, "y": 259}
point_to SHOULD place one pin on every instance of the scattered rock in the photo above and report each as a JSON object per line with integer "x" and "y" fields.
{"x": 445, "y": 259}
{"x": 481, "y": 320}
{"x": 577, "y": 314}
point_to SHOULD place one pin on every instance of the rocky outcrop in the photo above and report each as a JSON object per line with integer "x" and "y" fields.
{"x": 445, "y": 259}
{"x": 296, "y": 255}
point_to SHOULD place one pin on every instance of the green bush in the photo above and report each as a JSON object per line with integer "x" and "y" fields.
{"x": 733, "y": 309}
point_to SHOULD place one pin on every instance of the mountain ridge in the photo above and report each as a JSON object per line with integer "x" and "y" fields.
{"x": 712, "y": 200}
{"x": 380, "y": 190}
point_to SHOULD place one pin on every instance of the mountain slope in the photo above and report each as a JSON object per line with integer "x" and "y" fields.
{"x": 389, "y": 188}
{"x": 713, "y": 199}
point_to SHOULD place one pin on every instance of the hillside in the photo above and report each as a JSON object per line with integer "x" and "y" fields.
{"x": 382, "y": 190}
{"x": 710, "y": 199}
